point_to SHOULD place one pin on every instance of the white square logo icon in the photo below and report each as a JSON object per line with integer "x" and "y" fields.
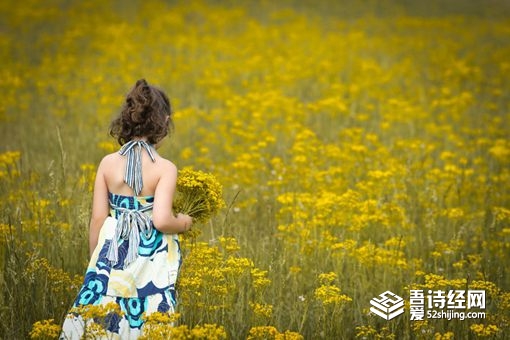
{"x": 388, "y": 305}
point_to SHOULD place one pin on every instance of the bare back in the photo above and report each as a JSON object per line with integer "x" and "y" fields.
{"x": 115, "y": 168}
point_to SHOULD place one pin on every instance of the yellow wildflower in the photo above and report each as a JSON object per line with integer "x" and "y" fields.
{"x": 45, "y": 329}
{"x": 483, "y": 331}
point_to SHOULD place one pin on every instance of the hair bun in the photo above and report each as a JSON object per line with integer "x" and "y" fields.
{"x": 141, "y": 82}
{"x": 144, "y": 92}
{"x": 139, "y": 101}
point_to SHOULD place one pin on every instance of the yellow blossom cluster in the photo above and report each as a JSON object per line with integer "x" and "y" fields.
{"x": 369, "y": 332}
{"x": 9, "y": 164}
{"x": 444, "y": 336}
{"x": 271, "y": 333}
{"x": 198, "y": 194}
{"x": 328, "y": 293}
{"x": 484, "y": 331}
{"x": 94, "y": 312}
{"x": 162, "y": 328}
{"x": 263, "y": 311}
{"x": 45, "y": 329}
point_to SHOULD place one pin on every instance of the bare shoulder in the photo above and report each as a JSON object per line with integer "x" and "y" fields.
{"x": 167, "y": 166}
{"x": 167, "y": 173}
{"x": 110, "y": 159}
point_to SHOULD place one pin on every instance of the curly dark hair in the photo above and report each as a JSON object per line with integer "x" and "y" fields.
{"x": 146, "y": 113}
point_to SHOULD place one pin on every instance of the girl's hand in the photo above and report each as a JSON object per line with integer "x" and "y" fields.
{"x": 187, "y": 220}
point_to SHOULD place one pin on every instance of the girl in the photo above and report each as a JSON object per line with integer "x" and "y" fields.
{"x": 134, "y": 246}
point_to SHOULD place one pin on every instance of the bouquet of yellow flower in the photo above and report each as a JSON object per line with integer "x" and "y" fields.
{"x": 198, "y": 194}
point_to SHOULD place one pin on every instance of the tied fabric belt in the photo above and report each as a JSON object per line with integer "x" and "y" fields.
{"x": 129, "y": 226}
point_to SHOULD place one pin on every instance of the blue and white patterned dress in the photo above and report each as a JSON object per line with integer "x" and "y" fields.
{"x": 133, "y": 265}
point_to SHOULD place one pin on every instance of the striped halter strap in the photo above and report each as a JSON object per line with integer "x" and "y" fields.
{"x": 133, "y": 175}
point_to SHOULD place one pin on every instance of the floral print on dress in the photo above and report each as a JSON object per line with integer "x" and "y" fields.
{"x": 145, "y": 286}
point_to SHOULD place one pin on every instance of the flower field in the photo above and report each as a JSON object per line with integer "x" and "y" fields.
{"x": 362, "y": 147}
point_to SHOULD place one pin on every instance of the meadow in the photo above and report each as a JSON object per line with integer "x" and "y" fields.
{"x": 362, "y": 147}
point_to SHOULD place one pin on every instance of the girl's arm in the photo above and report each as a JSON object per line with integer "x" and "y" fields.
{"x": 162, "y": 215}
{"x": 100, "y": 207}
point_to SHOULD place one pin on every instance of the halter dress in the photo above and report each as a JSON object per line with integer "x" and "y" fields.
{"x": 134, "y": 265}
